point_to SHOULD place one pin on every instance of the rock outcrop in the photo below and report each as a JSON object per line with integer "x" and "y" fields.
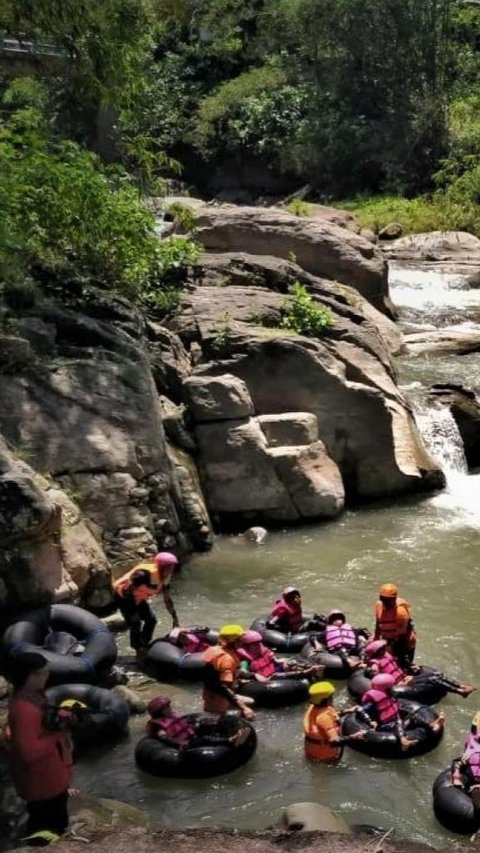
{"x": 85, "y": 409}
{"x": 444, "y": 251}
{"x": 465, "y": 409}
{"x": 289, "y": 426}
{"x": 319, "y": 246}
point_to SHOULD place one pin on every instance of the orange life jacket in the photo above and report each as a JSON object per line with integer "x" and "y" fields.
{"x": 391, "y": 623}
{"x": 219, "y": 659}
{"x": 158, "y": 579}
{"x": 319, "y": 723}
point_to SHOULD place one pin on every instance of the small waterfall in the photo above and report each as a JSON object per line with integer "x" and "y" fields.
{"x": 442, "y": 438}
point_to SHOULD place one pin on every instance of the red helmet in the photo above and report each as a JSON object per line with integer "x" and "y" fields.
{"x": 165, "y": 558}
{"x": 383, "y": 681}
{"x": 157, "y": 704}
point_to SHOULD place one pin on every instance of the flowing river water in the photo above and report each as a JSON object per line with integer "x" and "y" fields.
{"x": 429, "y": 545}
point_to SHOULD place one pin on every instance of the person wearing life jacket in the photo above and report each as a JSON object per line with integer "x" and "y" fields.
{"x": 466, "y": 769}
{"x": 261, "y": 663}
{"x": 189, "y": 640}
{"x": 287, "y": 615}
{"x": 166, "y": 724}
{"x": 381, "y": 711}
{"x": 341, "y": 639}
{"x": 378, "y": 659}
{"x": 40, "y": 759}
{"x": 393, "y": 623}
{"x": 222, "y": 672}
{"x": 323, "y": 740}
{"x": 132, "y": 594}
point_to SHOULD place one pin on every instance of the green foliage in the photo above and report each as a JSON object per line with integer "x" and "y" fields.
{"x": 182, "y": 215}
{"x": 299, "y": 207}
{"x": 222, "y": 336}
{"x": 374, "y": 212}
{"x": 300, "y": 313}
{"x": 174, "y": 259}
{"x": 215, "y": 111}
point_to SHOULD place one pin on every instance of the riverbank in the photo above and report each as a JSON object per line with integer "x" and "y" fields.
{"x": 217, "y": 841}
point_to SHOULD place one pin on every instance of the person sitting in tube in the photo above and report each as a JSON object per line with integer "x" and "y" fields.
{"x": 340, "y": 639}
{"x": 222, "y": 672}
{"x": 189, "y": 640}
{"x": 466, "y": 769}
{"x": 261, "y": 663}
{"x": 379, "y": 660}
{"x": 179, "y": 731}
{"x": 287, "y": 614}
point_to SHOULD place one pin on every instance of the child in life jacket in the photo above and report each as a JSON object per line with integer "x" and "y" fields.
{"x": 379, "y": 660}
{"x": 381, "y": 711}
{"x": 466, "y": 770}
{"x": 259, "y": 662}
{"x": 189, "y": 640}
{"x": 179, "y": 731}
{"x": 341, "y": 639}
{"x": 287, "y": 614}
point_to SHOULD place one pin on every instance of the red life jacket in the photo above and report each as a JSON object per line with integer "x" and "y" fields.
{"x": 289, "y": 612}
{"x": 471, "y": 756}
{"x": 264, "y": 664}
{"x": 386, "y": 706}
{"x": 174, "y": 726}
{"x": 337, "y": 636}
{"x": 387, "y": 665}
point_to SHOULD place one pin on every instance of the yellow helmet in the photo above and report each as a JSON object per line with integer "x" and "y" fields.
{"x": 233, "y": 632}
{"x": 388, "y": 590}
{"x": 320, "y": 690}
{"x": 72, "y": 704}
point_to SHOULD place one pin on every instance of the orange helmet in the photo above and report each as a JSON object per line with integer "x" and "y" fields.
{"x": 388, "y": 590}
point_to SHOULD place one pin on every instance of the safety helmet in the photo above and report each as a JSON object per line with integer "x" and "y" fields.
{"x": 289, "y": 590}
{"x": 157, "y": 704}
{"x": 165, "y": 558}
{"x": 475, "y": 727}
{"x": 374, "y": 646}
{"x": 251, "y": 637}
{"x": 388, "y": 590}
{"x": 233, "y": 632}
{"x": 320, "y": 690}
{"x": 334, "y": 614}
{"x": 73, "y": 705}
{"x": 383, "y": 681}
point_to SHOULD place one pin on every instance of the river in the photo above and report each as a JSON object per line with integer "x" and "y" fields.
{"x": 430, "y": 546}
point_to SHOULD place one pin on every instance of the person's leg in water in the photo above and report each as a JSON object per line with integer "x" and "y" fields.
{"x": 149, "y": 621}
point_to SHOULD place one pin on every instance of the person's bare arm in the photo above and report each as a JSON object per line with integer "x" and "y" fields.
{"x": 168, "y": 601}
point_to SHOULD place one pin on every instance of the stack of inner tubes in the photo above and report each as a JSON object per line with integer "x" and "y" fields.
{"x": 418, "y": 690}
{"x": 275, "y": 639}
{"x": 106, "y": 716}
{"x": 453, "y": 807}
{"x": 166, "y": 661}
{"x": 196, "y": 762}
{"x": 97, "y": 650}
{"x": 277, "y": 692}
{"x": 384, "y": 744}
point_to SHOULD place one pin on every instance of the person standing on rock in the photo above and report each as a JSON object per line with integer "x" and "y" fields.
{"x": 132, "y": 594}
{"x": 393, "y": 623}
{"x": 40, "y": 760}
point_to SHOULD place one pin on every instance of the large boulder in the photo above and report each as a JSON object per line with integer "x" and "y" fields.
{"x": 48, "y": 549}
{"x": 320, "y": 247}
{"x": 465, "y": 408}
{"x": 329, "y": 417}
{"x": 444, "y": 251}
